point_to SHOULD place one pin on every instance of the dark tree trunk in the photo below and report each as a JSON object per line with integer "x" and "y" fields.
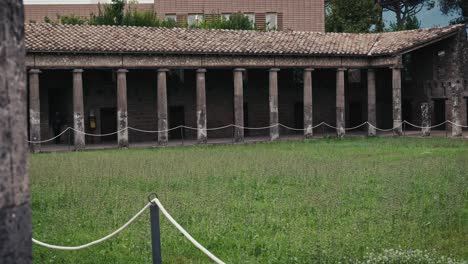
{"x": 15, "y": 213}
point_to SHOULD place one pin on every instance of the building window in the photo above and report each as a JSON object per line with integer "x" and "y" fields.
{"x": 226, "y": 16}
{"x": 271, "y": 21}
{"x": 171, "y": 17}
{"x": 194, "y": 19}
{"x": 251, "y": 18}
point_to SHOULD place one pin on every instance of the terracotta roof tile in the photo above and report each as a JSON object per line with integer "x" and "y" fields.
{"x": 123, "y": 39}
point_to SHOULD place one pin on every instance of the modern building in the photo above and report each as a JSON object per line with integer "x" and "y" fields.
{"x": 299, "y": 15}
{"x": 103, "y": 79}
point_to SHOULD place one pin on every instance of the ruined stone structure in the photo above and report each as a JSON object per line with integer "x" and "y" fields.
{"x": 15, "y": 212}
{"x": 155, "y": 79}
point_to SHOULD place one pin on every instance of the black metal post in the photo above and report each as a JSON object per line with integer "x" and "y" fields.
{"x": 155, "y": 234}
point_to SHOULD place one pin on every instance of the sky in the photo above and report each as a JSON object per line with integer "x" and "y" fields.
{"x": 429, "y": 18}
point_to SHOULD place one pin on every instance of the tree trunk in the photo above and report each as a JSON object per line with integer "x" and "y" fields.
{"x": 15, "y": 213}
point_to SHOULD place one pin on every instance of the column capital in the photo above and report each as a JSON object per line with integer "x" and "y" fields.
{"x": 35, "y": 71}
{"x": 77, "y": 70}
{"x": 201, "y": 70}
{"x": 396, "y": 67}
{"x": 309, "y": 69}
{"x": 341, "y": 69}
{"x": 122, "y": 71}
{"x": 371, "y": 70}
{"x": 274, "y": 70}
{"x": 162, "y": 70}
{"x": 239, "y": 69}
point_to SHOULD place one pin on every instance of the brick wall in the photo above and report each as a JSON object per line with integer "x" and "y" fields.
{"x": 36, "y": 13}
{"x": 300, "y": 15}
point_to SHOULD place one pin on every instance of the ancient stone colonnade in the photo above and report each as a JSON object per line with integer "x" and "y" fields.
{"x": 435, "y": 55}
{"x": 201, "y": 112}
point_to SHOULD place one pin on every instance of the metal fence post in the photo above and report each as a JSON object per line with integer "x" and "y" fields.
{"x": 155, "y": 234}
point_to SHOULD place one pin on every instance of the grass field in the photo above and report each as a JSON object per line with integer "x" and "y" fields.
{"x": 290, "y": 202}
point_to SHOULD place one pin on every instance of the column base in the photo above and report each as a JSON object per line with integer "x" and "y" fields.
{"x": 398, "y": 128}
{"x": 340, "y": 131}
{"x": 35, "y": 147}
{"x": 371, "y": 131}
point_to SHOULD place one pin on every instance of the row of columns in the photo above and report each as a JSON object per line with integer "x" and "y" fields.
{"x": 162, "y": 108}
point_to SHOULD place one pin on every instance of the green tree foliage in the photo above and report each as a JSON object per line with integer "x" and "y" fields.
{"x": 145, "y": 19}
{"x": 353, "y": 16}
{"x": 455, "y": 7}
{"x": 109, "y": 14}
{"x": 405, "y": 11}
{"x": 411, "y": 22}
{"x": 237, "y": 21}
{"x": 121, "y": 14}
{"x": 67, "y": 20}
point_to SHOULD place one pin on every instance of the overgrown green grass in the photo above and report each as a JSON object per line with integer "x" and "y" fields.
{"x": 289, "y": 202}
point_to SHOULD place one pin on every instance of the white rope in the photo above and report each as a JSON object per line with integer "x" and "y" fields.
{"x": 428, "y": 127}
{"x": 455, "y": 124}
{"x": 384, "y": 130}
{"x": 154, "y": 131}
{"x": 50, "y": 139}
{"x": 95, "y": 241}
{"x": 186, "y": 234}
{"x": 356, "y": 127}
{"x": 241, "y": 127}
{"x": 99, "y": 135}
{"x": 165, "y": 213}
{"x": 301, "y": 129}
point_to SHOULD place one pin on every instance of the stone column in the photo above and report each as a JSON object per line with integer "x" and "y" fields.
{"x": 15, "y": 212}
{"x": 396, "y": 99}
{"x": 239, "y": 105}
{"x": 448, "y": 112}
{"x": 34, "y": 110}
{"x": 456, "y": 94}
{"x": 426, "y": 119}
{"x": 122, "y": 114}
{"x": 202, "y": 135}
{"x": 273, "y": 99}
{"x": 78, "y": 109}
{"x": 308, "y": 104}
{"x": 340, "y": 102}
{"x": 162, "y": 107}
{"x": 371, "y": 106}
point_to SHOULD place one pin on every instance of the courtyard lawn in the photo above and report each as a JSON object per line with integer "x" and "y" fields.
{"x": 289, "y": 202}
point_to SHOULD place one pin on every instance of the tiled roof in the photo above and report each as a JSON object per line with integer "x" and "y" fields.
{"x": 122, "y": 39}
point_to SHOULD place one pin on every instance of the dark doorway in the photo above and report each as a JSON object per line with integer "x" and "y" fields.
{"x": 407, "y": 113}
{"x": 176, "y": 118}
{"x": 108, "y": 124}
{"x": 355, "y": 114}
{"x": 299, "y": 115}
{"x": 439, "y": 113}
{"x": 60, "y": 114}
{"x": 246, "y": 119}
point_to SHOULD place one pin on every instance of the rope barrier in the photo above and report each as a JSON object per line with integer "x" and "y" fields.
{"x": 428, "y": 127}
{"x": 50, "y": 139}
{"x": 356, "y": 127}
{"x": 185, "y": 233}
{"x": 165, "y": 213}
{"x": 241, "y": 127}
{"x": 120, "y": 229}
